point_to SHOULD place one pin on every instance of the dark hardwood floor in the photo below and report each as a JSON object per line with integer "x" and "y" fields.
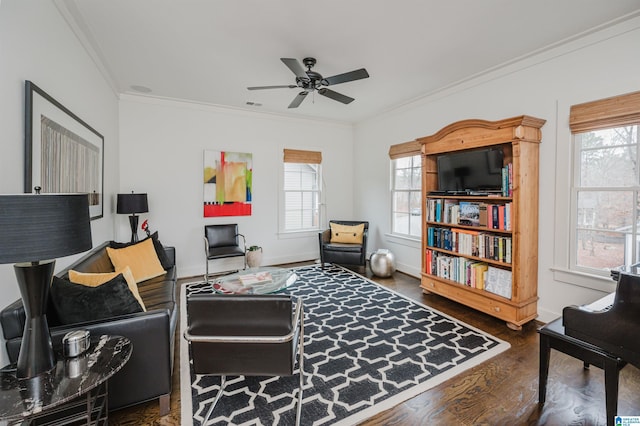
{"x": 500, "y": 391}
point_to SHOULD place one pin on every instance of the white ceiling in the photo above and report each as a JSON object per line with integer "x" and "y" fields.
{"x": 209, "y": 51}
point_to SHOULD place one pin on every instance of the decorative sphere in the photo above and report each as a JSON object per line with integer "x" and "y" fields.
{"x": 382, "y": 263}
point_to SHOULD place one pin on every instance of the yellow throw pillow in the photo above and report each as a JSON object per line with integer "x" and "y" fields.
{"x": 346, "y": 233}
{"x": 96, "y": 279}
{"x": 141, "y": 258}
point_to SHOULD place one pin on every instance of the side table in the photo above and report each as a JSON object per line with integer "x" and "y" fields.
{"x": 74, "y": 392}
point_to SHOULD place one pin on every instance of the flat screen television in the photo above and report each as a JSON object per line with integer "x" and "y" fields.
{"x": 470, "y": 171}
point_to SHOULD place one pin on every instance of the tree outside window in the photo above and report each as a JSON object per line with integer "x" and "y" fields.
{"x": 606, "y": 200}
{"x": 406, "y": 189}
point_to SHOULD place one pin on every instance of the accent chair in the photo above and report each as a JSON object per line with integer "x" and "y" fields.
{"x": 246, "y": 335}
{"x": 344, "y": 243}
{"x": 222, "y": 247}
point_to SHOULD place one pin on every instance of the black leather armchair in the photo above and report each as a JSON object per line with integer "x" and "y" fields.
{"x": 343, "y": 253}
{"x": 222, "y": 242}
{"x": 245, "y": 335}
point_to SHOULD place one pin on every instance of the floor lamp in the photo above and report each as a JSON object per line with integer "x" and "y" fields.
{"x": 132, "y": 204}
{"x": 35, "y": 229}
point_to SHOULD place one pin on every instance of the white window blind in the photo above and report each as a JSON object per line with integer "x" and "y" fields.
{"x": 301, "y": 190}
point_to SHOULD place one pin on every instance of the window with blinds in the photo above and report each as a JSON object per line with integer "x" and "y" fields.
{"x": 301, "y": 190}
{"x": 605, "y": 190}
{"x": 406, "y": 189}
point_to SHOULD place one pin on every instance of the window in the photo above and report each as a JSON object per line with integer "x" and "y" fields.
{"x": 301, "y": 190}
{"x": 406, "y": 196}
{"x": 605, "y": 194}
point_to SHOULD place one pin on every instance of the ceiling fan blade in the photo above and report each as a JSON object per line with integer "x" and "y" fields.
{"x": 286, "y": 86}
{"x": 347, "y": 76}
{"x": 298, "y": 99}
{"x": 335, "y": 96}
{"x": 295, "y": 67}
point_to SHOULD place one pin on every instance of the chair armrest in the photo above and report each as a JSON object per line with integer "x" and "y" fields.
{"x": 152, "y": 327}
{"x": 12, "y": 319}
{"x": 171, "y": 254}
{"x": 244, "y": 242}
{"x": 325, "y": 236}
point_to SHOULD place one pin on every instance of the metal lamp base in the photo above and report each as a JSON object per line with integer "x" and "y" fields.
{"x": 36, "y": 351}
{"x": 133, "y": 221}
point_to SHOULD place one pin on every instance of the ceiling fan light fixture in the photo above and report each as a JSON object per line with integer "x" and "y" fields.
{"x": 312, "y": 81}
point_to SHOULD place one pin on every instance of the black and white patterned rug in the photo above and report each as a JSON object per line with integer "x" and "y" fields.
{"x": 367, "y": 349}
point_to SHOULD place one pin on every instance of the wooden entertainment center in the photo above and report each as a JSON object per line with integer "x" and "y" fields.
{"x": 504, "y": 252}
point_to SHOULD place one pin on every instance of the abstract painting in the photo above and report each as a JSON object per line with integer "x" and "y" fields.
{"x": 227, "y": 183}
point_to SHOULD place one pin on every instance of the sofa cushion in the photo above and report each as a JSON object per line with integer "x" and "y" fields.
{"x": 141, "y": 258}
{"x": 76, "y": 303}
{"x": 165, "y": 261}
{"x": 94, "y": 280}
{"x": 347, "y": 234}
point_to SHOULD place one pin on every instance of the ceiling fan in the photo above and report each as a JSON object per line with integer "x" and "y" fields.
{"x": 310, "y": 80}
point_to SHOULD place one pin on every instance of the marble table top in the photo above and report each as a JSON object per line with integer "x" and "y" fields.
{"x": 71, "y": 378}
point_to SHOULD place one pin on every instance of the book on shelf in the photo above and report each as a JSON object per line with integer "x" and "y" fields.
{"x": 469, "y": 213}
{"x": 255, "y": 278}
{"x": 498, "y": 282}
{"x": 500, "y": 215}
{"x": 470, "y": 242}
{"x": 507, "y": 180}
{"x": 468, "y": 272}
{"x": 450, "y": 211}
{"x": 482, "y": 214}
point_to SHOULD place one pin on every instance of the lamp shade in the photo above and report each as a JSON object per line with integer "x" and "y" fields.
{"x": 35, "y": 227}
{"x": 132, "y": 203}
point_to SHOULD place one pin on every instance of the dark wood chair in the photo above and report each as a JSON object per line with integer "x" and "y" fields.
{"x": 343, "y": 253}
{"x": 246, "y": 335}
{"x": 222, "y": 243}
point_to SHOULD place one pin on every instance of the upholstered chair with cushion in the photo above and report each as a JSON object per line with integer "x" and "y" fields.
{"x": 246, "y": 335}
{"x": 223, "y": 249}
{"x": 344, "y": 243}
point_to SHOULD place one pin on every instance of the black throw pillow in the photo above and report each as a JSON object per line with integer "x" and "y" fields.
{"x": 157, "y": 245}
{"x": 76, "y": 303}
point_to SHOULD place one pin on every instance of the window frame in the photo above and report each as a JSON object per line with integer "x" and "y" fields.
{"x": 291, "y": 156}
{"x": 604, "y": 113}
{"x": 416, "y": 157}
{"x": 577, "y": 188}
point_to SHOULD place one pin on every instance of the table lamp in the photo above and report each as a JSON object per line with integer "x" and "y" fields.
{"x": 132, "y": 204}
{"x": 34, "y": 230}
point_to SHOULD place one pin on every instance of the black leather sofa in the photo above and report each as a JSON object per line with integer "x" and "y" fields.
{"x": 147, "y": 374}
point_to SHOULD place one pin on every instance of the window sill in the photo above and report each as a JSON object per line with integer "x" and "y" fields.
{"x": 580, "y": 279}
{"x": 404, "y": 240}
{"x": 298, "y": 234}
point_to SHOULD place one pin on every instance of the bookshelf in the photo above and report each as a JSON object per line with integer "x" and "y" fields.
{"x": 477, "y": 249}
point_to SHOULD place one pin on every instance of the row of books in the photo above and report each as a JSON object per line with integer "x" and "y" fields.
{"x": 468, "y": 272}
{"x": 507, "y": 180}
{"x": 471, "y": 243}
{"x": 469, "y": 213}
{"x": 459, "y": 269}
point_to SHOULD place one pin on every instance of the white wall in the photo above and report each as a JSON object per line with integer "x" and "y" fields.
{"x": 597, "y": 66}
{"x": 162, "y": 154}
{"x": 36, "y": 44}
